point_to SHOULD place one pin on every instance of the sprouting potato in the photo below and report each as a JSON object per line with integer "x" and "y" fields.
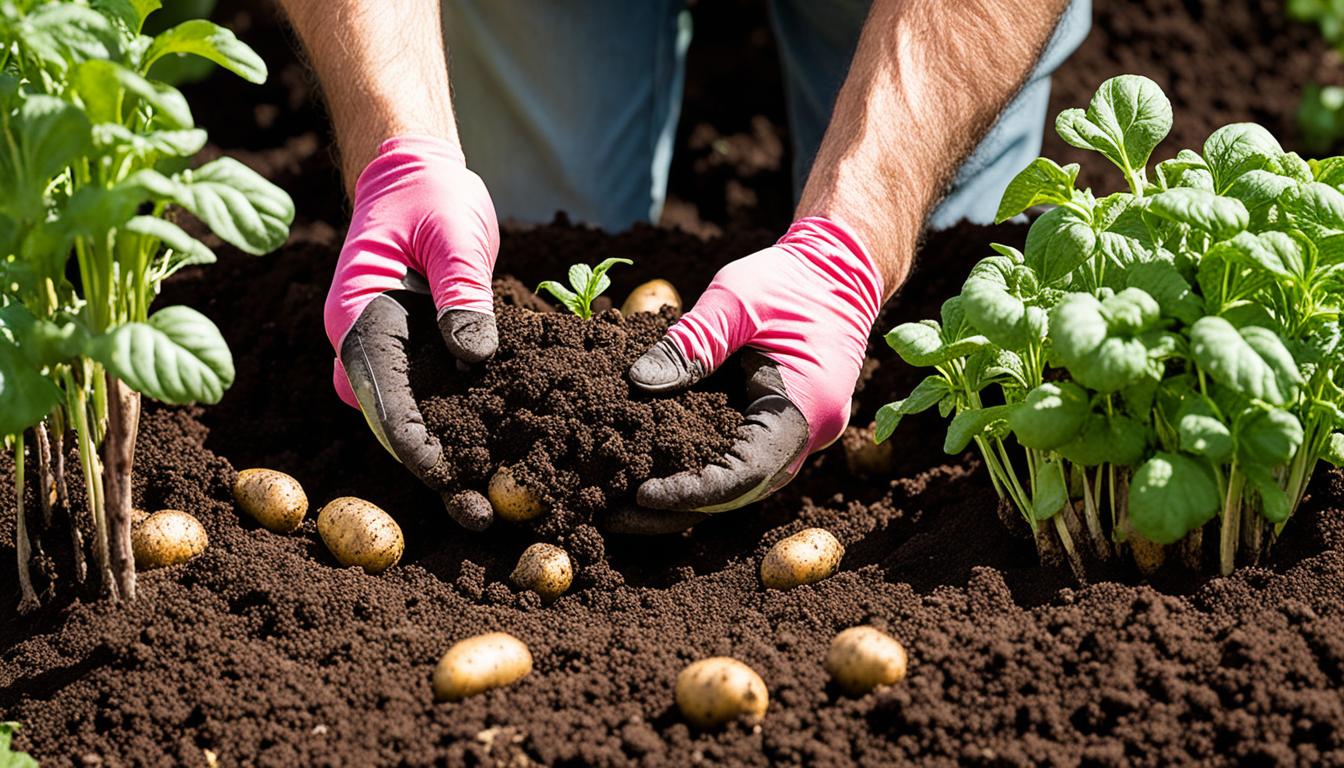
{"x": 805, "y": 557}
{"x": 272, "y": 498}
{"x": 359, "y": 533}
{"x": 167, "y": 537}
{"x": 480, "y": 663}
{"x": 713, "y": 691}
{"x": 651, "y": 297}
{"x": 862, "y": 658}
{"x": 511, "y": 500}
{"x": 545, "y": 569}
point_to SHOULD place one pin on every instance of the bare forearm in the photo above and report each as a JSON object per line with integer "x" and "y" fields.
{"x": 382, "y": 68}
{"x": 928, "y": 80}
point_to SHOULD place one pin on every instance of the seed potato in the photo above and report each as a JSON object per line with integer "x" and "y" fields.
{"x": 167, "y": 537}
{"x": 480, "y": 663}
{"x": 272, "y": 498}
{"x": 359, "y": 533}
{"x": 803, "y": 558}
{"x": 651, "y": 297}
{"x": 862, "y": 658}
{"x": 545, "y": 569}
{"x": 511, "y": 500}
{"x": 713, "y": 691}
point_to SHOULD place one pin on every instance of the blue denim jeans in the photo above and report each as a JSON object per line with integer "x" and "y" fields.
{"x": 573, "y": 104}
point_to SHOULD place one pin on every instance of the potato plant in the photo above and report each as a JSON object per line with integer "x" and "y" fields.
{"x": 587, "y": 282}
{"x": 1156, "y": 358}
{"x": 97, "y": 168}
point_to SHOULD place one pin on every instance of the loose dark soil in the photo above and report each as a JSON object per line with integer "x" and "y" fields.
{"x": 554, "y": 405}
{"x": 265, "y": 651}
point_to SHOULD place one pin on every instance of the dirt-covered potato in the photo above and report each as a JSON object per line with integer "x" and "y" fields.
{"x": 651, "y": 297}
{"x": 138, "y": 516}
{"x": 864, "y": 457}
{"x": 862, "y": 658}
{"x": 807, "y": 556}
{"x": 710, "y": 692}
{"x": 167, "y": 537}
{"x": 359, "y": 533}
{"x": 511, "y": 500}
{"x": 480, "y": 663}
{"x": 272, "y": 498}
{"x": 545, "y": 569}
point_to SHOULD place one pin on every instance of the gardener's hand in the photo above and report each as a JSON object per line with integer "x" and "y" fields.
{"x": 422, "y": 222}
{"x": 804, "y": 307}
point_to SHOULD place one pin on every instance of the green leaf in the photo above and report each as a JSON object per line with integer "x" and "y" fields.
{"x": 1043, "y": 182}
{"x": 565, "y": 296}
{"x": 1251, "y": 361}
{"x": 928, "y": 393}
{"x": 45, "y": 135}
{"x": 1237, "y": 149}
{"x": 1268, "y": 436}
{"x": 172, "y": 143}
{"x": 26, "y": 396}
{"x": 1187, "y": 169}
{"x": 132, "y": 13}
{"x": 1258, "y": 191}
{"x": 1333, "y": 451}
{"x": 1170, "y": 496}
{"x": 1117, "y": 440}
{"x": 1097, "y": 340}
{"x": 1221, "y": 217}
{"x": 1050, "y": 416}
{"x": 970, "y": 424}
{"x": 580, "y": 278}
{"x": 1164, "y": 283}
{"x": 1128, "y": 117}
{"x": 108, "y": 90}
{"x": 1051, "y": 493}
{"x": 1201, "y": 432}
{"x": 64, "y": 34}
{"x": 1276, "y": 253}
{"x": 1058, "y": 243}
{"x": 921, "y": 344}
{"x": 1316, "y": 209}
{"x": 9, "y": 758}
{"x": 177, "y": 357}
{"x": 240, "y": 206}
{"x": 207, "y": 40}
{"x": 991, "y": 309}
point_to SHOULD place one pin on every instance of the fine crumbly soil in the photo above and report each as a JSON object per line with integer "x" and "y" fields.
{"x": 265, "y": 651}
{"x": 556, "y": 407}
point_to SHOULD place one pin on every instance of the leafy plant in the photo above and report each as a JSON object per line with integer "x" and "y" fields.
{"x": 1153, "y": 359}
{"x": 10, "y": 758}
{"x": 1320, "y": 115}
{"x": 97, "y": 173}
{"x": 588, "y": 283}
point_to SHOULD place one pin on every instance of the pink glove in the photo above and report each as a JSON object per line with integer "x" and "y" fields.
{"x": 422, "y": 223}
{"x": 805, "y": 306}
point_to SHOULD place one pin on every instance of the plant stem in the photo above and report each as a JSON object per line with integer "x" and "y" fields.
{"x": 119, "y": 452}
{"x": 46, "y": 480}
{"x": 1093, "y": 520}
{"x": 21, "y": 546}
{"x": 93, "y": 481}
{"x": 1227, "y": 550}
{"x": 1062, "y": 529}
{"x": 63, "y": 492}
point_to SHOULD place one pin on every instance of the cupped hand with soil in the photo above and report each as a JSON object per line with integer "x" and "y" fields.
{"x": 802, "y": 309}
{"x": 423, "y": 223}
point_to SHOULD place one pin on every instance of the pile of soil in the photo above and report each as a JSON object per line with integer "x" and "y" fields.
{"x": 265, "y": 651}
{"x": 556, "y": 407}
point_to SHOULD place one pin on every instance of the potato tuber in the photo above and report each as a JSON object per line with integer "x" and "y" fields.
{"x": 511, "y": 500}
{"x": 480, "y": 663}
{"x": 651, "y": 297}
{"x": 713, "y": 691}
{"x": 545, "y": 569}
{"x": 862, "y": 658}
{"x": 167, "y": 537}
{"x": 359, "y": 533}
{"x": 803, "y": 558}
{"x": 272, "y": 498}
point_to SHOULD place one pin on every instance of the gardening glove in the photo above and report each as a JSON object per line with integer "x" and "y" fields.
{"x": 423, "y": 223}
{"x": 804, "y": 308}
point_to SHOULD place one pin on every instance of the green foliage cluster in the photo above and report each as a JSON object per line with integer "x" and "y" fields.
{"x": 96, "y": 168}
{"x": 9, "y": 758}
{"x": 587, "y": 283}
{"x": 1155, "y": 358}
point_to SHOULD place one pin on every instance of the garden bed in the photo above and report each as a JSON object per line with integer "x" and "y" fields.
{"x": 264, "y": 650}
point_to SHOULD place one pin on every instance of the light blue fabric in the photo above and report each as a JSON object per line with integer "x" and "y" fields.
{"x": 573, "y": 104}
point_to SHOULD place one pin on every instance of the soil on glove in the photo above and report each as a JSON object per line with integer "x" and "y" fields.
{"x": 555, "y": 406}
{"x": 264, "y": 651}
